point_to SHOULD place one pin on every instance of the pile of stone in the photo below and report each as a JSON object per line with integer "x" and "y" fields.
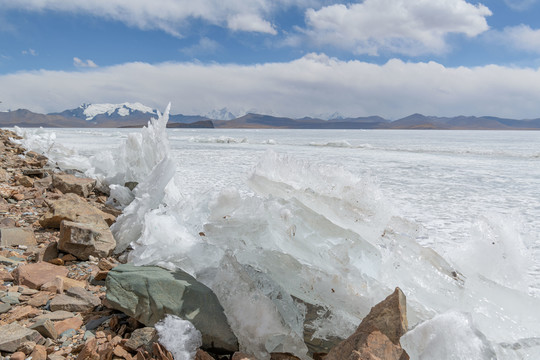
{"x": 63, "y": 295}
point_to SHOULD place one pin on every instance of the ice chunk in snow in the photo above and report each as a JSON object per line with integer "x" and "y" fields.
{"x": 449, "y": 336}
{"x": 179, "y": 336}
{"x": 148, "y": 196}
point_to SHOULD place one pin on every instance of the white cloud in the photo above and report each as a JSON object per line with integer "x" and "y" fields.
{"x": 520, "y": 37}
{"x": 204, "y": 46}
{"x": 171, "y": 16}
{"x": 29, "y": 52}
{"x": 520, "y": 5}
{"x": 250, "y": 22}
{"x": 314, "y": 84}
{"x": 84, "y": 63}
{"x": 395, "y": 26}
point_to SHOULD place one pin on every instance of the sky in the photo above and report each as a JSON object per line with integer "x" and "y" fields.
{"x": 280, "y": 57}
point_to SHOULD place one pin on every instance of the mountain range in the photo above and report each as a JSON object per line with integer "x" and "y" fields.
{"x": 137, "y": 115}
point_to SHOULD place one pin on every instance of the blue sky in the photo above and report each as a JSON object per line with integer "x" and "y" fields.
{"x": 283, "y": 57}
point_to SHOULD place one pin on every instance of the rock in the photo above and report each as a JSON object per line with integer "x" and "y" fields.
{"x": 49, "y": 252}
{"x": 68, "y": 303}
{"x": 71, "y": 184}
{"x": 148, "y": 293}
{"x": 121, "y": 352}
{"x": 8, "y": 262}
{"x": 283, "y": 356}
{"x": 25, "y": 181}
{"x": 68, "y": 283}
{"x": 84, "y": 240}
{"x": 377, "y": 336}
{"x": 56, "y": 316}
{"x": 40, "y": 173}
{"x": 242, "y": 356}
{"x": 46, "y": 328}
{"x": 17, "y": 236}
{"x": 27, "y": 347}
{"x": 11, "y": 298}
{"x": 13, "y": 335}
{"x": 74, "y": 208}
{"x": 4, "y": 176}
{"x": 20, "y": 313}
{"x": 82, "y": 294}
{"x": 5, "y": 275}
{"x": 142, "y": 337}
{"x": 74, "y": 323}
{"x": 39, "y": 353}
{"x": 35, "y": 275}
{"x": 4, "y": 308}
{"x": 202, "y": 355}
{"x": 107, "y": 264}
{"x": 40, "y": 299}
{"x": 19, "y": 355}
{"x": 7, "y": 222}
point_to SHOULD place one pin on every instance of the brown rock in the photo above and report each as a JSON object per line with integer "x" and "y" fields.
{"x": 17, "y": 236}
{"x": 71, "y": 323}
{"x": 56, "y": 261}
{"x": 89, "y": 352}
{"x": 7, "y": 222}
{"x": 55, "y": 286}
{"x": 25, "y": 181}
{"x": 20, "y": 313}
{"x": 39, "y": 299}
{"x": 13, "y": 335}
{"x": 19, "y": 355}
{"x": 121, "y": 352}
{"x": 69, "y": 303}
{"x": 140, "y": 337}
{"x": 242, "y": 356}
{"x": 5, "y": 275}
{"x": 203, "y": 355}
{"x": 377, "y": 336}
{"x": 72, "y": 184}
{"x": 27, "y": 347}
{"x": 18, "y": 196}
{"x": 49, "y": 252}
{"x": 85, "y": 240}
{"x": 74, "y": 208}
{"x": 69, "y": 283}
{"x": 101, "y": 275}
{"x": 68, "y": 257}
{"x": 39, "y": 353}
{"x": 46, "y": 328}
{"x": 82, "y": 294}
{"x": 56, "y": 316}
{"x": 35, "y": 275}
{"x": 107, "y": 264}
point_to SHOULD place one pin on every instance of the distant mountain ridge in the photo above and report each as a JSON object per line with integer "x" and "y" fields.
{"x": 137, "y": 115}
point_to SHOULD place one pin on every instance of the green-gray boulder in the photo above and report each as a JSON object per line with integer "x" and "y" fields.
{"x": 148, "y": 293}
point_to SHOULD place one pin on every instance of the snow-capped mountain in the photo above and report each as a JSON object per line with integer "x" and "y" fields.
{"x": 222, "y": 114}
{"x": 90, "y": 111}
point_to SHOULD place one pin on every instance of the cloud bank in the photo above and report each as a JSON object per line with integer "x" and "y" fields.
{"x": 314, "y": 84}
{"x": 396, "y": 26}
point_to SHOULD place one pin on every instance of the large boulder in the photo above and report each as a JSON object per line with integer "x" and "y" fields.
{"x": 84, "y": 240}
{"x": 67, "y": 183}
{"x": 377, "y": 336}
{"x": 148, "y": 293}
{"x": 74, "y": 208}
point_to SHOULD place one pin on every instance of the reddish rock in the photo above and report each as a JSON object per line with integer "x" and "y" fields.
{"x": 39, "y": 299}
{"x": 85, "y": 240}
{"x": 71, "y": 184}
{"x": 20, "y": 313}
{"x": 39, "y": 353}
{"x": 283, "y": 356}
{"x": 19, "y": 355}
{"x": 202, "y": 355}
{"x": 5, "y": 275}
{"x": 71, "y": 323}
{"x": 377, "y": 336}
{"x": 35, "y": 275}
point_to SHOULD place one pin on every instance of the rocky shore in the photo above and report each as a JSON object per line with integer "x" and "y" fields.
{"x": 64, "y": 295}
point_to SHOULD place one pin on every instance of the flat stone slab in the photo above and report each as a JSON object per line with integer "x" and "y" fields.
{"x": 13, "y": 335}
{"x": 17, "y": 236}
{"x": 71, "y": 184}
{"x": 56, "y": 315}
{"x": 37, "y": 274}
{"x": 68, "y": 303}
